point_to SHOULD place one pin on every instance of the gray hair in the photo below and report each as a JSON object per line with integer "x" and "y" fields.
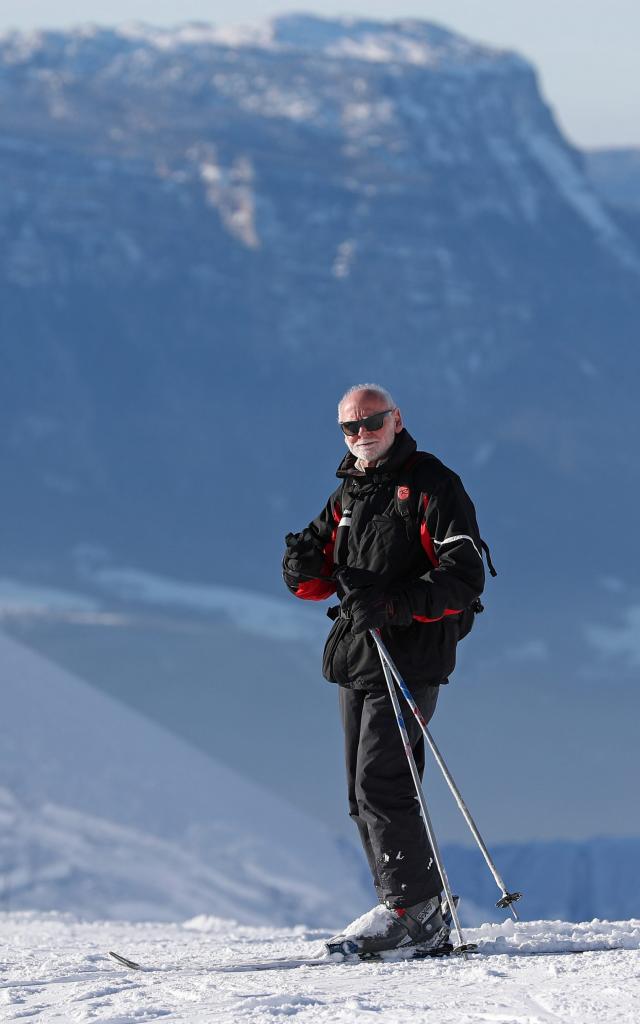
{"x": 374, "y": 389}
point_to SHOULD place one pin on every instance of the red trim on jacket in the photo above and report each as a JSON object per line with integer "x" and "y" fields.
{"x": 315, "y": 590}
{"x": 447, "y": 611}
{"x": 427, "y": 543}
{"x": 318, "y": 590}
{"x": 425, "y": 536}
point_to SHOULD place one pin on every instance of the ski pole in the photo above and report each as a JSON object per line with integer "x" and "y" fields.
{"x": 508, "y": 898}
{"x": 462, "y": 947}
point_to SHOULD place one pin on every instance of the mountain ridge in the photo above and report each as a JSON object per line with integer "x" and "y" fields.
{"x": 287, "y": 33}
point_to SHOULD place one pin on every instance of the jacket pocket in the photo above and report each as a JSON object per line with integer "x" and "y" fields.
{"x": 385, "y": 547}
{"x": 426, "y": 651}
{"x": 330, "y": 669}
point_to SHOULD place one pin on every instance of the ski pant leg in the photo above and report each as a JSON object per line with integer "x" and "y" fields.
{"x": 351, "y": 709}
{"x": 382, "y": 797}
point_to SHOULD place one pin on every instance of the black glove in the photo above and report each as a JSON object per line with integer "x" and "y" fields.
{"x": 349, "y": 578}
{"x": 303, "y": 559}
{"x": 373, "y": 608}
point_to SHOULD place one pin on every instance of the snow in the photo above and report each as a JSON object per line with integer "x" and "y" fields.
{"x": 256, "y": 613}
{"x": 253, "y": 612}
{"x": 56, "y": 968}
{"x": 104, "y": 813}
{"x": 344, "y": 258}
{"x": 190, "y": 34}
{"x": 53, "y": 857}
{"x": 510, "y": 161}
{"x": 576, "y": 189}
{"x": 17, "y": 598}
{"x": 230, "y": 191}
{"x": 376, "y": 921}
{"x": 406, "y": 42}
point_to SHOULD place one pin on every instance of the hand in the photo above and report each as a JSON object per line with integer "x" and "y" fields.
{"x": 349, "y": 578}
{"x": 303, "y": 559}
{"x": 373, "y": 608}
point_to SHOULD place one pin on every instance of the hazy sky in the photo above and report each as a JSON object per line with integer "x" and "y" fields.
{"x": 586, "y": 51}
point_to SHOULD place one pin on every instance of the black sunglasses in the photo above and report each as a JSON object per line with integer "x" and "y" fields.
{"x": 374, "y": 422}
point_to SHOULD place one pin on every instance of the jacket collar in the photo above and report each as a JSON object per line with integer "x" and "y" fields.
{"x": 402, "y": 448}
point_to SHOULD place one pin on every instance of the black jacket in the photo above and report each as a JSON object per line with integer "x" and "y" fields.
{"x": 436, "y": 560}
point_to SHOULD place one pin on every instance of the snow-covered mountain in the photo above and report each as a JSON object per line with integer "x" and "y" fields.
{"x": 106, "y": 814}
{"x": 207, "y": 236}
{"x": 574, "y": 881}
{"x": 89, "y": 831}
{"x": 616, "y": 176}
{"x": 210, "y": 663}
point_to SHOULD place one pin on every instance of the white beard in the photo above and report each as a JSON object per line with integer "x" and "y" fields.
{"x": 370, "y": 452}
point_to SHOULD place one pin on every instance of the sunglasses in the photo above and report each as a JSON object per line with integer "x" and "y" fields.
{"x": 352, "y": 427}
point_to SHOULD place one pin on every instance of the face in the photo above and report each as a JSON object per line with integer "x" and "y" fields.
{"x": 369, "y": 445}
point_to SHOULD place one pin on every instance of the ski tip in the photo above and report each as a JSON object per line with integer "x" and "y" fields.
{"x": 131, "y": 964}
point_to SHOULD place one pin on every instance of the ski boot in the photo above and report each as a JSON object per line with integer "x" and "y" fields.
{"x": 419, "y": 929}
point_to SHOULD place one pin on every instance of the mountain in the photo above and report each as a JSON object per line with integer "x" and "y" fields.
{"x": 108, "y": 815}
{"x": 206, "y": 237}
{"x": 573, "y": 881}
{"x": 615, "y": 174}
{"x": 237, "y": 677}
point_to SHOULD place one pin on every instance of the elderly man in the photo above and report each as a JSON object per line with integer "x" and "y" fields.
{"x": 399, "y": 544}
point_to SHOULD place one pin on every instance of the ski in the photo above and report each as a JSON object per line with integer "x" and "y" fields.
{"x": 385, "y": 956}
{"x": 277, "y": 964}
{"x": 292, "y": 963}
{"x": 131, "y": 964}
{"x": 388, "y": 957}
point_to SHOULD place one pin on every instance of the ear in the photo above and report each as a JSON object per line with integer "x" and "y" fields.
{"x": 397, "y": 418}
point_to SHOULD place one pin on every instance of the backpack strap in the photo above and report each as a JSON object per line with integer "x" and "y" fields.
{"x": 407, "y": 502}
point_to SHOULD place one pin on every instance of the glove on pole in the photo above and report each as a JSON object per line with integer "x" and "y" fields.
{"x": 508, "y": 898}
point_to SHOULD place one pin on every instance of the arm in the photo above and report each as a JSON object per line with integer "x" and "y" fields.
{"x": 450, "y": 537}
{"x": 318, "y": 542}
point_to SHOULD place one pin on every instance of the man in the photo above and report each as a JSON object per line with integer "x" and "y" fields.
{"x": 399, "y": 544}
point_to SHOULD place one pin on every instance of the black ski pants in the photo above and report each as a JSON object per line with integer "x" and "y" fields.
{"x": 382, "y": 796}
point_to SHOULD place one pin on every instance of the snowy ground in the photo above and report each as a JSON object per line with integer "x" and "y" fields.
{"x": 55, "y": 968}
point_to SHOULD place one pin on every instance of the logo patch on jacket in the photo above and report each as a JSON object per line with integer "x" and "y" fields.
{"x": 403, "y": 493}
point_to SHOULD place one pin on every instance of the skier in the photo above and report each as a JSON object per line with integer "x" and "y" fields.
{"x": 398, "y": 543}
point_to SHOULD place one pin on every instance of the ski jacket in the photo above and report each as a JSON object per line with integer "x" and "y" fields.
{"x": 436, "y": 561}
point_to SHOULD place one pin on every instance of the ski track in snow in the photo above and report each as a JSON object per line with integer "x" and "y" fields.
{"x": 55, "y": 968}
